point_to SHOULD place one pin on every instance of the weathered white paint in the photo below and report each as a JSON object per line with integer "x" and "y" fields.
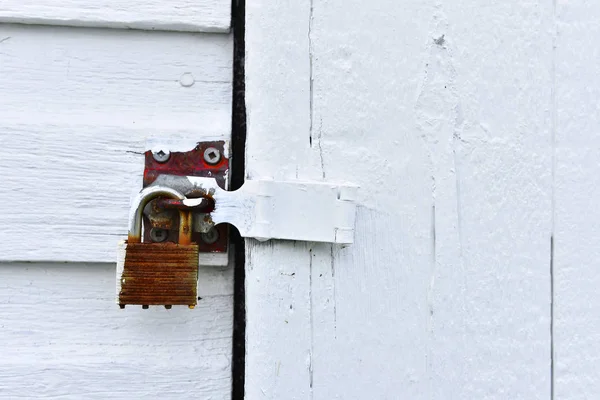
{"x": 178, "y": 15}
{"x": 577, "y": 194}
{"x": 76, "y": 110}
{"x": 441, "y": 113}
{"x": 62, "y": 336}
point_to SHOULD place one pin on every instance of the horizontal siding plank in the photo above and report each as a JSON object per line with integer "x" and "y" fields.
{"x": 63, "y": 335}
{"x": 179, "y": 15}
{"x": 77, "y": 108}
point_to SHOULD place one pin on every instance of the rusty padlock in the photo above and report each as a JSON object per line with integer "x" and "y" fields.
{"x": 157, "y": 273}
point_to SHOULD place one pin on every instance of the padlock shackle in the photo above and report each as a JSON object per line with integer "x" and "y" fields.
{"x": 137, "y": 208}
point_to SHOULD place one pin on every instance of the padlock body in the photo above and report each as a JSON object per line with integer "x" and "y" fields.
{"x": 157, "y": 274}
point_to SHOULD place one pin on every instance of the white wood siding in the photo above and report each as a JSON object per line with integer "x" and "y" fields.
{"x": 441, "y": 112}
{"x": 174, "y": 15}
{"x": 63, "y": 336}
{"x": 76, "y": 109}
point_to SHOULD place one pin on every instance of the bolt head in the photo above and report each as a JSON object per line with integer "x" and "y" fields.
{"x": 211, "y": 236}
{"x": 159, "y": 235}
{"x": 212, "y": 155}
{"x": 161, "y": 155}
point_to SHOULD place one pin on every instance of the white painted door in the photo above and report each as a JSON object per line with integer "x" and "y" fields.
{"x": 78, "y": 102}
{"x": 442, "y": 112}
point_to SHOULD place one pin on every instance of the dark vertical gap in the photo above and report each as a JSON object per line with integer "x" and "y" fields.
{"x": 553, "y": 124}
{"x": 238, "y": 128}
{"x": 238, "y": 149}
{"x": 552, "y": 361}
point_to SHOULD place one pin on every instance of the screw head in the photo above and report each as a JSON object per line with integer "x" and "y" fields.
{"x": 158, "y": 235}
{"x": 212, "y": 155}
{"x": 161, "y": 155}
{"x": 211, "y": 236}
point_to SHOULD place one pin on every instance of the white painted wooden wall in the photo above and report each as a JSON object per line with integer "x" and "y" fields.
{"x": 472, "y": 129}
{"x": 77, "y": 104}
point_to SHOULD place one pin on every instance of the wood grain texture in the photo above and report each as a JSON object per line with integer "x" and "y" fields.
{"x": 179, "y": 15}
{"x": 76, "y": 110}
{"x": 63, "y": 336}
{"x": 440, "y": 112}
{"x": 577, "y": 188}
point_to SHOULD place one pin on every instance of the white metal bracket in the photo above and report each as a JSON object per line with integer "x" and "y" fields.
{"x": 267, "y": 209}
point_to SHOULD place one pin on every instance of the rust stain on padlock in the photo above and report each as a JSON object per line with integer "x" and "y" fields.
{"x": 185, "y": 227}
{"x": 160, "y": 274}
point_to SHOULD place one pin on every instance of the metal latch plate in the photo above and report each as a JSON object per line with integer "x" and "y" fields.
{"x": 267, "y": 209}
{"x": 209, "y": 159}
